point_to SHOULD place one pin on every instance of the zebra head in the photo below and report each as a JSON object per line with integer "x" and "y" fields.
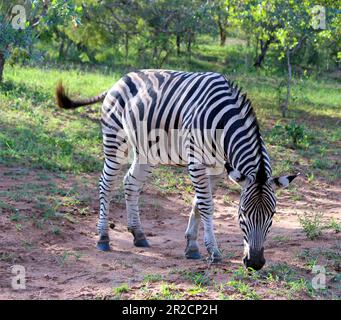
{"x": 256, "y": 209}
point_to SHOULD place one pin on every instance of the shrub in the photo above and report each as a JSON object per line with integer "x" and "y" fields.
{"x": 312, "y": 226}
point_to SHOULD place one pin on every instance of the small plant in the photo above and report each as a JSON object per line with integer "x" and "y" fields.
{"x": 244, "y": 289}
{"x": 311, "y": 263}
{"x": 8, "y": 257}
{"x": 296, "y": 286}
{"x": 55, "y": 230}
{"x": 63, "y": 258}
{"x": 311, "y": 177}
{"x": 78, "y": 255}
{"x": 152, "y": 278}
{"x": 15, "y": 217}
{"x": 241, "y": 273}
{"x": 165, "y": 290}
{"x": 320, "y": 163}
{"x": 312, "y": 226}
{"x": 334, "y": 225}
{"x": 123, "y": 288}
{"x": 296, "y": 133}
{"x": 168, "y": 292}
{"x": 279, "y": 272}
{"x": 196, "y": 290}
{"x": 66, "y": 255}
{"x": 198, "y": 278}
{"x": 281, "y": 238}
{"x": 27, "y": 244}
{"x": 226, "y": 199}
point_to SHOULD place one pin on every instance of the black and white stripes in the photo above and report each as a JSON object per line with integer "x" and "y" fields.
{"x": 200, "y": 120}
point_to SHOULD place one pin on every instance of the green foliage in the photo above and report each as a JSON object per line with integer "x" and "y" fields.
{"x": 312, "y": 225}
{"x": 296, "y": 132}
{"x": 291, "y": 134}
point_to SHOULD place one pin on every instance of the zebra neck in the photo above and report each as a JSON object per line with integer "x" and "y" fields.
{"x": 250, "y": 157}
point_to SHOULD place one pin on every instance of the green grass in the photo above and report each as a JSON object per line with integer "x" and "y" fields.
{"x": 123, "y": 288}
{"x": 199, "y": 278}
{"x": 244, "y": 289}
{"x": 148, "y": 278}
{"x": 60, "y": 140}
{"x": 46, "y": 137}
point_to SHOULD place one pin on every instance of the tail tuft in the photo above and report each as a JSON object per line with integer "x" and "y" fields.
{"x": 63, "y": 100}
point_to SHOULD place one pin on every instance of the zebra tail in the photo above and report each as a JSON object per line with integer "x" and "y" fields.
{"x": 63, "y": 101}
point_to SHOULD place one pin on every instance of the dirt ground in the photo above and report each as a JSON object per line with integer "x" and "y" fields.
{"x": 61, "y": 260}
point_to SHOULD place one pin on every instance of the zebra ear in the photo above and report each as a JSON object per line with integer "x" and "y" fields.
{"x": 282, "y": 182}
{"x": 239, "y": 178}
{"x": 236, "y": 176}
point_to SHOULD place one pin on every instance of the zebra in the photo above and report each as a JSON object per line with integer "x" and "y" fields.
{"x": 197, "y": 105}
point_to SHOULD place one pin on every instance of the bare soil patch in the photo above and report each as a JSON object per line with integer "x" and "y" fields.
{"x": 61, "y": 261}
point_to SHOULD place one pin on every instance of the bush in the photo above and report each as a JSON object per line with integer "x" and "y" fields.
{"x": 292, "y": 134}
{"x": 312, "y": 226}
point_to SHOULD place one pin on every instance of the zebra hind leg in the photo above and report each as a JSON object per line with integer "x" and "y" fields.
{"x": 115, "y": 156}
{"x": 133, "y": 182}
{"x": 106, "y": 182}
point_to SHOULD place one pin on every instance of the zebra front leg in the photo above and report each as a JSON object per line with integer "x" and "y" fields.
{"x": 192, "y": 248}
{"x": 210, "y": 240}
{"x": 133, "y": 182}
{"x": 205, "y": 207}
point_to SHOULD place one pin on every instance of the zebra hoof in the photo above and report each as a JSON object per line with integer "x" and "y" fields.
{"x": 103, "y": 246}
{"x": 216, "y": 257}
{"x": 141, "y": 243}
{"x": 193, "y": 255}
{"x": 103, "y": 243}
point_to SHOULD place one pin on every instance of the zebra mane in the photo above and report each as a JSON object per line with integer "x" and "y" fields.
{"x": 262, "y": 173}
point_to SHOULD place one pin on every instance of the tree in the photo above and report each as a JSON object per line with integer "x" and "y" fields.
{"x": 284, "y": 26}
{"x": 15, "y": 30}
{"x": 223, "y": 13}
{"x": 22, "y": 23}
{"x": 294, "y": 30}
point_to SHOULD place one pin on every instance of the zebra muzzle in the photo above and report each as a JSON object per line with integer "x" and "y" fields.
{"x": 255, "y": 259}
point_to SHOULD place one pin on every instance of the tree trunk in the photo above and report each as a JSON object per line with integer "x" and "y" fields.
{"x": 189, "y": 44}
{"x": 2, "y": 64}
{"x": 222, "y": 32}
{"x": 263, "y": 49}
{"x": 285, "y": 106}
{"x": 126, "y": 46}
{"x": 68, "y": 45}
{"x": 178, "y": 44}
{"x": 247, "y": 55}
{"x": 61, "y": 50}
